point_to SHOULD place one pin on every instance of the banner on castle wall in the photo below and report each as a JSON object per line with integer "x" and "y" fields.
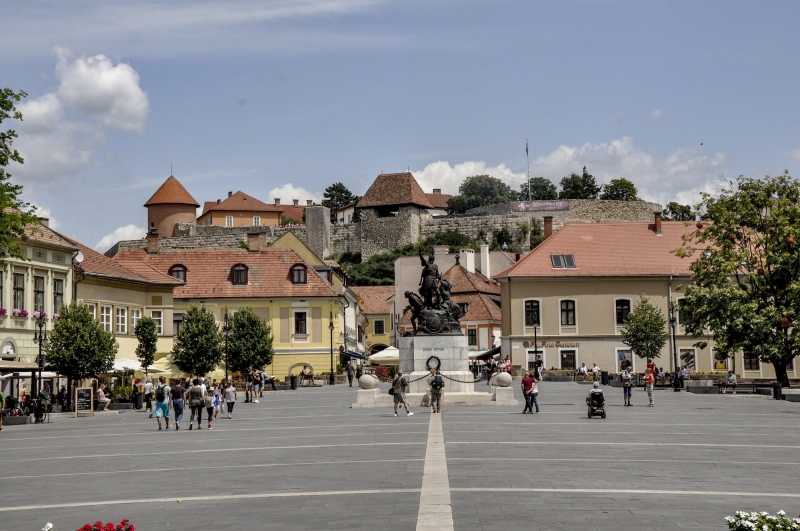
{"x": 538, "y": 206}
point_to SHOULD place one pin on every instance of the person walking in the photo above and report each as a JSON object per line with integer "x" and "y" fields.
{"x": 2, "y": 408}
{"x": 256, "y": 385}
{"x": 359, "y": 372}
{"x": 528, "y": 384}
{"x": 162, "y": 401}
{"x": 351, "y": 372}
{"x": 209, "y": 403}
{"x": 230, "y": 398}
{"x": 400, "y": 384}
{"x": 248, "y": 386}
{"x": 148, "y": 396}
{"x": 649, "y": 381}
{"x": 177, "y": 393}
{"x": 217, "y": 403}
{"x": 196, "y": 401}
{"x": 627, "y": 385}
{"x": 436, "y": 384}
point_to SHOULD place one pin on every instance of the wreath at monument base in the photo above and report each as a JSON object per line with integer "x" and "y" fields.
{"x": 436, "y": 359}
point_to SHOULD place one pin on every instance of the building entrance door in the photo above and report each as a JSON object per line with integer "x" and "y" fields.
{"x": 568, "y": 359}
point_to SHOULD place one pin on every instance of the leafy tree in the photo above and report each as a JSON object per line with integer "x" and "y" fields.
{"x": 537, "y": 232}
{"x": 147, "y": 334}
{"x": 619, "y": 190}
{"x": 501, "y": 236}
{"x": 198, "y": 347}
{"x": 79, "y": 347}
{"x": 15, "y": 214}
{"x": 337, "y": 196}
{"x": 745, "y": 276}
{"x": 678, "y": 212}
{"x": 575, "y": 186}
{"x": 250, "y": 341}
{"x": 645, "y": 329}
{"x": 478, "y": 191}
{"x": 541, "y": 189}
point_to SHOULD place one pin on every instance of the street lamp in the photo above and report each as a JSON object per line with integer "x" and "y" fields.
{"x": 226, "y": 331}
{"x": 330, "y": 327}
{"x": 40, "y": 338}
{"x": 673, "y": 322}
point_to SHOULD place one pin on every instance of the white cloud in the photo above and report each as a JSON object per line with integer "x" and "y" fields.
{"x": 127, "y": 232}
{"x": 795, "y": 153}
{"x": 656, "y": 114}
{"x": 44, "y": 212}
{"x": 287, "y": 192}
{"x": 441, "y": 175}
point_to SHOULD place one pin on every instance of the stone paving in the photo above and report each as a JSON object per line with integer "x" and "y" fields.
{"x": 306, "y": 460}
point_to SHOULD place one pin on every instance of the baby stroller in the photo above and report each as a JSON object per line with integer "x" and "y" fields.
{"x": 597, "y": 404}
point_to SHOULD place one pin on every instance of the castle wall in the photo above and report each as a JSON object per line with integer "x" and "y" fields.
{"x": 345, "y": 238}
{"x": 384, "y": 234}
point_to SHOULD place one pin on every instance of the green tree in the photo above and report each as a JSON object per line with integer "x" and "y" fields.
{"x": 501, "y": 236}
{"x": 678, "y": 212}
{"x": 538, "y": 189}
{"x": 337, "y": 196}
{"x": 619, "y": 190}
{"x": 198, "y": 347}
{"x": 15, "y": 214}
{"x": 79, "y": 347}
{"x": 645, "y": 329}
{"x": 745, "y": 271}
{"x": 478, "y": 191}
{"x": 537, "y": 232}
{"x": 250, "y": 341}
{"x": 147, "y": 335}
{"x": 575, "y": 186}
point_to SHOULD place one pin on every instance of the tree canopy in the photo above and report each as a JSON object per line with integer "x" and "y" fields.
{"x": 198, "y": 346}
{"x": 338, "y": 196}
{"x": 575, "y": 186}
{"x": 745, "y": 274}
{"x": 249, "y": 342}
{"x": 478, "y": 191}
{"x": 147, "y": 335}
{"x": 79, "y": 347}
{"x": 541, "y": 189}
{"x": 15, "y": 214}
{"x": 645, "y": 329}
{"x": 619, "y": 190}
{"x": 678, "y": 212}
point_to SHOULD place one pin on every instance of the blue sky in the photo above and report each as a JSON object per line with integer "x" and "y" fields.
{"x": 282, "y": 98}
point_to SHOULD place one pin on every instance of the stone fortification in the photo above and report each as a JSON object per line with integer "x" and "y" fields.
{"x": 381, "y": 234}
{"x": 345, "y": 238}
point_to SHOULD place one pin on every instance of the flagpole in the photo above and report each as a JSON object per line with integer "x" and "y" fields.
{"x": 528, "y": 156}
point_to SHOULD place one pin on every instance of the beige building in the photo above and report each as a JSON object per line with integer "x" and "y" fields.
{"x": 240, "y": 210}
{"x": 575, "y": 289}
{"x": 375, "y": 305}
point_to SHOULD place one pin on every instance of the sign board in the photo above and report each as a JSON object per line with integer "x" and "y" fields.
{"x": 538, "y": 206}
{"x": 84, "y": 401}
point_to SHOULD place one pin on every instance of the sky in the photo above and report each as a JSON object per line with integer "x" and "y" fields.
{"x": 281, "y": 98}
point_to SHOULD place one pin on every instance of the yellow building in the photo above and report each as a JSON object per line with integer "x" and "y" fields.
{"x": 374, "y": 303}
{"x": 239, "y": 210}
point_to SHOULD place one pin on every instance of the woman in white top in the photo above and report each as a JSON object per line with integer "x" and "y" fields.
{"x": 230, "y": 398}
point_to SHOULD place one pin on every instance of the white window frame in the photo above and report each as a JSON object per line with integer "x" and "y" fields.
{"x": 301, "y": 337}
{"x": 229, "y": 221}
{"x": 568, "y": 349}
{"x": 560, "y": 326}
{"x": 159, "y": 319}
{"x": 532, "y": 352}
{"x": 614, "y": 316}
{"x": 616, "y": 358}
{"x": 122, "y": 320}
{"x": 383, "y": 325}
{"x": 694, "y": 350}
{"x": 92, "y": 309}
{"x": 136, "y": 314}
{"x": 256, "y": 221}
{"x": 106, "y": 317}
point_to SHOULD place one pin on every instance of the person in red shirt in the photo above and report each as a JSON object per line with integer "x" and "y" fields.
{"x": 528, "y": 387}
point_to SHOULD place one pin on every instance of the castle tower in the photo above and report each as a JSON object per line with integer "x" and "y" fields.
{"x": 170, "y": 204}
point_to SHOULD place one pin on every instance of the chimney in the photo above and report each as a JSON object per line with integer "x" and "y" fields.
{"x": 485, "y": 267}
{"x": 437, "y": 190}
{"x": 296, "y": 202}
{"x": 467, "y": 258}
{"x": 277, "y": 201}
{"x": 230, "y": 193}
{"x": 658, "y": 223}
{"x": 309, "y": 202}
{"x": 44, "y": 222}
{"x": 219, "y": 201}
{"x": 256, "y": 241}
{"x": 152, "y": 240}
{"x": 548, "y": 226}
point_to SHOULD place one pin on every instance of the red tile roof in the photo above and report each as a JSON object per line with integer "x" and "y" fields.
{"x": 480, "y": 307}
{"x": 438, "y": 199}
{"x": 394, "y": 189}
{"x": 44, "y": 234}
{"x": 293, "y": 212}
{"x": 608, "y": 249}
{"x": 172, "y": 192}
{"x": 465, "y": 282}
{"x": 373, "y": 299}
{"x": 208, "y": 273}
{"x": 101, "y": 266}
{"x": 240, "y": 201}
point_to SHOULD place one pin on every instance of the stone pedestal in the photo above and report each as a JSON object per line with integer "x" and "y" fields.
{"x": 453, "y": 357}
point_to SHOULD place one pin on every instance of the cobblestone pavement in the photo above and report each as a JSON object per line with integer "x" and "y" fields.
{"x": 306, "y": 460}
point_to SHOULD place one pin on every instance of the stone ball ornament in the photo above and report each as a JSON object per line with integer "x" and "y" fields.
{"x": 502, "y": 379}
{"x": 367, "y": 381}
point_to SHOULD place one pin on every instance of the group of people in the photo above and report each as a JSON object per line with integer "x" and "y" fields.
{"x": 489, "y": 367}
{"x": 435, "y": 391}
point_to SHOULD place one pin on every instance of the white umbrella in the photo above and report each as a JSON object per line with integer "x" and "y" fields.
{"x": 130, "y": 365}
{"x": 386, "y": 355}
{"x": 45, "y": 374}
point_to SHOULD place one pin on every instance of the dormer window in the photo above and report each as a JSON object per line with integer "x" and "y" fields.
{"x": 298, "y": 274}
{"x": 561, "y": 261}
{"x": 178, "y": 271}
{"x": 239, "y": 274}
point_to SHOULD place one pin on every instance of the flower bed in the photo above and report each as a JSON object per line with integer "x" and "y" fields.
{"x": 761, "y": 521}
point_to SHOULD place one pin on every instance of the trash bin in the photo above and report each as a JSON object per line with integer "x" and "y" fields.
{"x": 777, "y": 391}
{"x": 293, "y": 382}
{"x": 138, "y": 400}
{"x": 604, "y": 377}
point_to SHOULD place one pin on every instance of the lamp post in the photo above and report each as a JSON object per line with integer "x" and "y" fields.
{"x": 330, "y": 328}
{"x": 40, "y": 338}
{"x": 226, "y": 331}
{"x": 673, "y": 322}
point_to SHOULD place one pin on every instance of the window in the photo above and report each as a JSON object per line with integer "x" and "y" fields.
{"x": 38, "y": 294}
{"x": 472, "y": 336}
{"x": 568, "y": 359}
{"x": 122, "y": 320}
{"x": 751, "y": 364}
{"x": 158, "y": 317}
{"x": 256, "y": 221}
{"x": 561, "y": 261}
{"x": 58, "y": 294}
{"x": 178, "y": 271}
{"x": 19, "y": 291}
{"x": 136, "y": 314}
{"x": 92, "y": 310}
{"x": 105, "y": 318}
{"x": 229, "y": 221}
{"x": 567, "y": 313}
{"x": 378, "y": 327}
{"x": 683, "y": 314}
{"x": 239, "y": 274}
{"x": 1, "y": 288}
{"x": 687, "y": 358}
{"x": 623, "y": 309}
{"x": 532, "y": 313}
{"x": 298, "y": 274}
{"x": 720, "y": 360}
{"x": 177, "y": 323}
{"x": 624, "y": 358}
{"x": 300, "y": 328}
{"x": 464, "y": 308}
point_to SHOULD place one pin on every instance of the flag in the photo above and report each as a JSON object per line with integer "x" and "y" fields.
{"x": 526, "y": 146}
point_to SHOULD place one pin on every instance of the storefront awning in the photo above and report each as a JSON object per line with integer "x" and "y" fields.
{"x": 486, "y": 355}
{"x": 356, "y": 355}
{"x": 16, "y": 366}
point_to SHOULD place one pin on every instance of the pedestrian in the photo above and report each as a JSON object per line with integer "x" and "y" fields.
{"x": 537, "y": 368}
{"x": 528, "y": 386}
{"x": 359, "y": 372}
{"x": 436, "y": 384}
{"x": 651, "y": 366}
{"x": 256, "y": 385}
{"x": 148, "y": 396}
{"x": 400, "y": 384}
{"x": 248, "y": 385}
{"x": 196, "y": 401}
{"x": 217, "y": 401}
{"x": 730, "y": 383}
{"x": 177, "y": 393}
{"x": 264, "y": 381}
{"x": 627, "y": 385}
{"x": 649, "y": 380}
{"x": 230, "y": 398}
{"x": 351, "y": 372}
{"x": 162, "y": 401}
{"x": 2, "y": 408}
{"x": 209, "y": 403}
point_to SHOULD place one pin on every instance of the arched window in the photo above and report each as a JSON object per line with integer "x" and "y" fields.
{"x": 298, "y": 274}
{"x": 239, "y": 274}
{"x": 178, "y": 271}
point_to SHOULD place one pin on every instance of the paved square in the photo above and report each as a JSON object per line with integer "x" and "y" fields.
{"x": 306, "y": 460}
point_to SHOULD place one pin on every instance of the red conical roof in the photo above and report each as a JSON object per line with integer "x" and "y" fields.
{"x": 172, "y": 192}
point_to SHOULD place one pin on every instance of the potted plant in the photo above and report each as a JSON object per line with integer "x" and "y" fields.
{"x": 3, "y": 312}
